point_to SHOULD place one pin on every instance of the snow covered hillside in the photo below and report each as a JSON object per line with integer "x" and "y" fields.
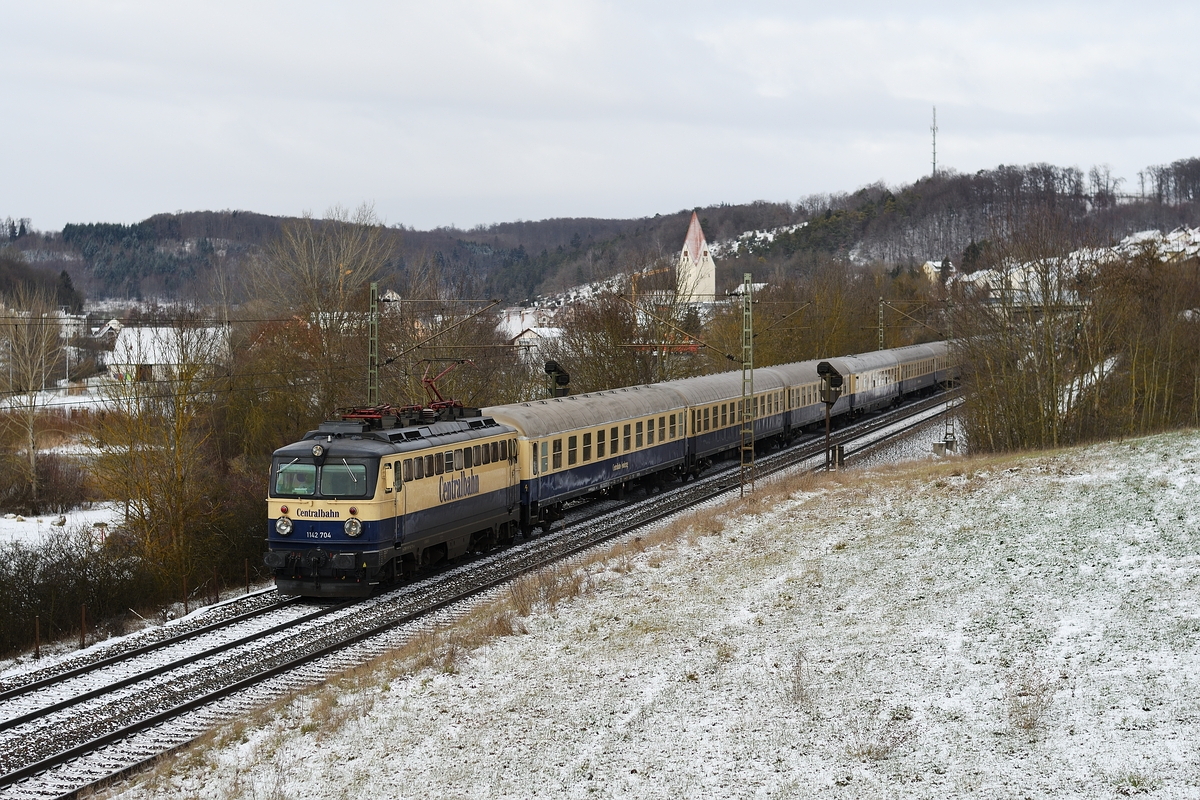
{"x": 1007, "y": 627}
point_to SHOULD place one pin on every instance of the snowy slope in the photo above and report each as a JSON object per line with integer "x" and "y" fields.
{"x": 1021, "y": 627}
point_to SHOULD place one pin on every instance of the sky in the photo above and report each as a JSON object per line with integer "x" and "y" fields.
{"x": 469, "y": 113}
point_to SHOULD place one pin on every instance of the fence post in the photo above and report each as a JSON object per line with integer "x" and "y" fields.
{"x": 82, "y": 626}
{"x": 247, "y": 576}
{"x": 37, "y": 637}
{"x": 185, "y": 597}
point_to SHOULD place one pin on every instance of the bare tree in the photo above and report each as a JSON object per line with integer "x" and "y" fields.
{"x": 32, "y": 342}
{"x": 154, "y": 444}
{"x": 320, "y": 271}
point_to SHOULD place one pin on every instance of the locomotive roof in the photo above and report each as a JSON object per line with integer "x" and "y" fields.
{"x": 357, "y": 439}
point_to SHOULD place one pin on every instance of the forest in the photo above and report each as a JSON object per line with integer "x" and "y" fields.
{"x": 192, "y": 256}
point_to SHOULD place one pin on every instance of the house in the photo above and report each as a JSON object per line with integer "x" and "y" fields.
{"x": 157, "y": 353}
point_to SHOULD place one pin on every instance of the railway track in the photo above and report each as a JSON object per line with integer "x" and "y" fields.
{"x": 65, "y": 732}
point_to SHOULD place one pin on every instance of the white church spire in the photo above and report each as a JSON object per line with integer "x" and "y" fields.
{"x": 696, "y": 273}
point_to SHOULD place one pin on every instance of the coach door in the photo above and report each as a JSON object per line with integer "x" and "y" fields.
{"x": 514, "y": 475}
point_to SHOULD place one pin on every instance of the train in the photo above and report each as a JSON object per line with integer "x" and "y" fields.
{"x": 380, "y": 494}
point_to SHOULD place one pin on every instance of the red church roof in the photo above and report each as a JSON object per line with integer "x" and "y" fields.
{"x": 694, "y": 242}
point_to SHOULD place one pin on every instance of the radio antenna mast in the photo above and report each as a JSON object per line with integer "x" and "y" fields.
{"x": 933, "y": 130}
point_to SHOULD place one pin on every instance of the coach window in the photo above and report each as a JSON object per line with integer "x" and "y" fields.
{"x": 706, "y": 418}
{"x": 458, "y": 460}
{"x": 614, "y": 445}
{"x": 587, "y": 447}
{"x": 572, "y": 449}
{"x": 545, "y": 457}
{"x": 467, "y": 461}
{"x": 408, "y": 469}
{"x": 476, "y": 456}
{"x": 672, "y": 426}
{"x": 662, "y": 429}
{"x": 650, "y": 431}
{"x": 639, "y": 435}
{"x": 489, "y": 452}
{"x": 628, "y": 440}
{"x": 600, "y": 443}
{"x": 420, "y": 469}
{"x": 558, "y": 453}
{"x": 440, "y": 462}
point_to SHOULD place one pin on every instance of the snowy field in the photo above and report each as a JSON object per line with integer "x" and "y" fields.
{"x": 1000, "y": 628}
{"x": 31, "y": 530}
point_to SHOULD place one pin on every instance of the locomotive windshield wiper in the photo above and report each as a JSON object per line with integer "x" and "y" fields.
{"x": 350, "y": 471}
{"x": 285, "y": 466}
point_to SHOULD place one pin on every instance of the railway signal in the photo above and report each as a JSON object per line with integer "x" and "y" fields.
{"x": 831, "y": 390}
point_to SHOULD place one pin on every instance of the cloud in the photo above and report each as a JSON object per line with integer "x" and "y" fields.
{"x": 526, "y": 109}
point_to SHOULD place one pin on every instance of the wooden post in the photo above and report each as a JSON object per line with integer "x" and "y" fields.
{"x": 185, "y": 597}
{"x": 82, "y": 626}
{"x": 247, "y": 576}
{"x": 37, "y": 637}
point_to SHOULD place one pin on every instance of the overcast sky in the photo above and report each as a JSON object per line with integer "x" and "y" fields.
{"x": 470, "y": 113}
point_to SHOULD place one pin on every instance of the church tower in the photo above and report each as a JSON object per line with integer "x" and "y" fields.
{"x": 696, "y": 274}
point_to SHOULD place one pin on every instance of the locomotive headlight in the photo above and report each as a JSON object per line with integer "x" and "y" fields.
{"x": 283, "y": 526}
{"x": 318, "y": 450}
{"x": 353, "y": 527}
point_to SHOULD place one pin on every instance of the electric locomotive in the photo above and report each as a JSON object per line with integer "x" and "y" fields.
{"x": 377, "y": 494}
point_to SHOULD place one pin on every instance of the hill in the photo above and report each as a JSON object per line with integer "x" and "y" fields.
{"x": 981, "y": 625}
{"x": 181, "y": 256}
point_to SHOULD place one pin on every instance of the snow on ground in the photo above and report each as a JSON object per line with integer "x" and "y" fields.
{"x": 31, "y": 530}
{"x": 1011, "y": 628}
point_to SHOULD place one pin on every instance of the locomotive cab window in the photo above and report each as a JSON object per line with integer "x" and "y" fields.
{"x": 344, "y": 480}
{"x": 408, "y": 469}
{"x": 298, "y": 480}
{"x": 420, "y": 465}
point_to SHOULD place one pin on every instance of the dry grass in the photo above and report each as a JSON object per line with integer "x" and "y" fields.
{"x": 801, "y": 692}
{"x": 1029, "y": 694}
{"x": 871, "y": 738}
